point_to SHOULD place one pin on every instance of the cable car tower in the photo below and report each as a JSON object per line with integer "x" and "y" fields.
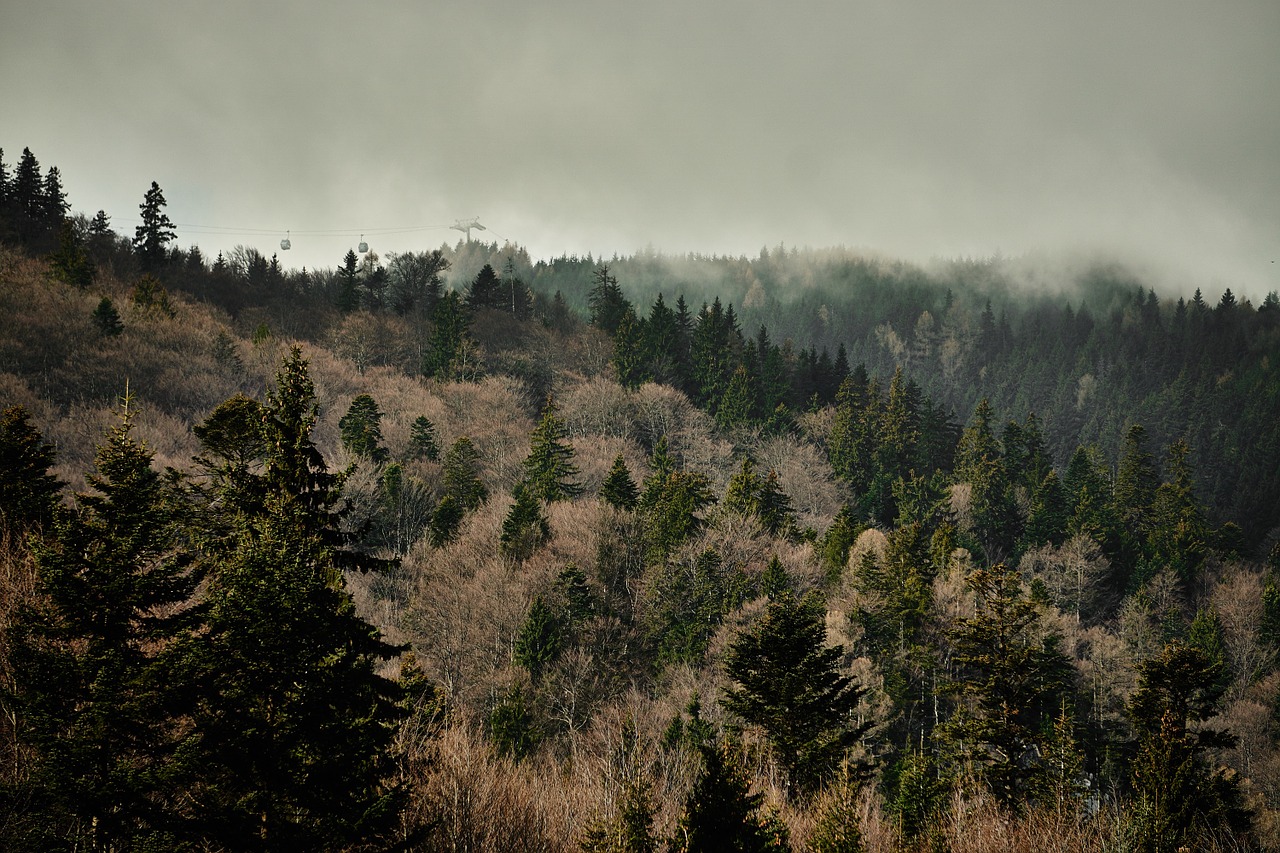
{"x": 465, "y": 226}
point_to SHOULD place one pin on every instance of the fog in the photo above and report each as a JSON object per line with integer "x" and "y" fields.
{"x": 1147, "y": 130}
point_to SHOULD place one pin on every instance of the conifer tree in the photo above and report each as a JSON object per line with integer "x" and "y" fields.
{"x": 450, "y": 344}
{"x": 774, "y": 508}
{"x": 92, "y": 681}
{"x": 628, "y": 356}
{"x": 348, "y": 287}
{"x": 549, "y": 470}
{"x": 735, "y": 406}
{"x": 155, "y": 232}
{"x": 1181, "y": 801}
{"x": 1015, "y": 678}
{"x": 422, "y": 439}
{"x": 790, "y": 685}
{"x": 291, "y": 723}
{"x": 742, "y": 495}
{"x": 721, "y": 813}
{"x": 525, "y": 527}
{"x": 486, "y": 290}
{"x": 618, "y": 489}
{"x": 107, "y": 318}
{"x": 462, "y": 475}
{"x": 28, "y": 492}
{"x": 541, "y": 639}
{"x": 361, "y": 429}
{"x": 608, "y": 305}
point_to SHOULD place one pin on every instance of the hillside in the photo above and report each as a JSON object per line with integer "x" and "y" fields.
{"x": 615, "y": 529}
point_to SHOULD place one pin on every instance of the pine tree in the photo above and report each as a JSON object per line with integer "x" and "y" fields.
{"x": 541, "y": 639}
{"x": 628, "y": 357}
{"x": 549, "y": 470}
{"x": 361, "y": 429}
{"x": 291, "y": 723}
{"x": 525, "y": 527}
{"x": 422, "y": 440}
{"x": 448, "y": 351}
{"x": 107, "y": 318}
{"x": 156, "y": 231}
{"x": 28, "y": 492}
{"x": 1181, "y": 801}
{"x": 735, "y": 407}
{"x": 789, "y": 684}
{"x": 608, "y": 305}
{"x": 1014, "y": 676}
{"x": 773, "y": 507}
{"x": 348, "y": 287}
{"x": 486, "y": 290}
{"x": 90, "y": 658}
{"x": 721, "y": 813}
{"x": 618, "y": 489}
{"x": 461, "y": 475}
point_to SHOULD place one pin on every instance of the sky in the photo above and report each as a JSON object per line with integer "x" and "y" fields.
{"x": 1148, "y": 131}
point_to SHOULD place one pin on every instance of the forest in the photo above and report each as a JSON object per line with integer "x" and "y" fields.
{"x": 457, "y": 549}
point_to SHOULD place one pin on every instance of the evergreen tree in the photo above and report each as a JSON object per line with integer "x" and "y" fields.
{"x": 1015, "y": 677}
{"x": 155, "y": 232}
{"x": 790, "y": 685}
{"x": 1181, "y": 801}
{"x": 721, "y": 813}
{"x": 486, "y": 290}
{"x": 291, "y": 725}
{"x": 734, "y": 408}
{"x": 461, "y": 475}
{"x": 742, "y": 495}
{"x": 549, "y": 470}
{"x": 628, "y": 356}
{"x": 361, "y": 429}
{"x": 525, "y": 527}
{"x": 71, "y": 263}
{"x": 608, "y": 305}
{"x": 107, "y": 318}
{"x": 422, "y": 439}
{"x": 450, "y": 346}
{"x": 773, "y": 507}
{"x": 541, "y": 639}
{"x": 92, "y": 684}
{"x": 618, "y": 489}
{"x": 55, "y": 200}
{"x": 445, "y": 521}
{"x": 28, "y": 492}
{"x": 512, "y": 726}
{"x": 348, "y": 285}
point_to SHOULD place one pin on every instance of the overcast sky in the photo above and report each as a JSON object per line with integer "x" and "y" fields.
{"x": 913, "y": 129}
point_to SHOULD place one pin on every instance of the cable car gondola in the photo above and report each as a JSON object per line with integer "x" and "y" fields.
{"x": 285, "y": 245}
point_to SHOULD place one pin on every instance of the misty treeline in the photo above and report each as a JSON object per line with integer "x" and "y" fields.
{"x": 410, "y": 551}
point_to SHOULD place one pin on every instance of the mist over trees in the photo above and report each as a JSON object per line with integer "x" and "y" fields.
{"x": 457, "y": 549}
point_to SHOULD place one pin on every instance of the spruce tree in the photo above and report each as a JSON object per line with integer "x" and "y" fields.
{"x": 361, "y": 429}
{"x": 107, "y": 318}
{"x": 549, "y": 471}
{"x": 608, "y": 305}
{"x": 790, "y": 685}
{"x": 92, "y": 678}
{"x": 450, "y": 343}
{"x": 155, "y": 232}
{"x": 721, "y": 813}
{"x": 291, "y": 724}
{"x": 618, "y": 489}
{"x": 28, "y": 492}
{"x": 525, "y": 527}
{"x": 486, "y": 290}
{"x": 541, "y": 639}
{"x": 462, "y": 475}
{"x": 422, "y": 440}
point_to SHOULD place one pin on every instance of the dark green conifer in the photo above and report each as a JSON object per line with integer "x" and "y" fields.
{"x": 155, "y": 232}
{"x": 525, "y": 527}
{"x": 291, "y": 724}
{"x": 361, "y": 429}
{"x": 721, "y": 813}
{"x": 549, "y": 470}
{"x": 92, "y": 687}
{"x": 789, "y": 683}
{"x": 486, "y": 290}
{"x": 107, "y": 318}
{"x": 422, "y": 439}
{"x": 541, "y": 639}
{"x": 462, "y": 475}
{"x": 28, "y": 492}
{"x": 618, "y": 489}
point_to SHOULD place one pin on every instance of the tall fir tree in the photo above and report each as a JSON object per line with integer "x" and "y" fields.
{"x": 155, "y": 232}
{"x": 549, "y": 471}
{"x": 93, "y": 682}
{"x": 291, "y": 724}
